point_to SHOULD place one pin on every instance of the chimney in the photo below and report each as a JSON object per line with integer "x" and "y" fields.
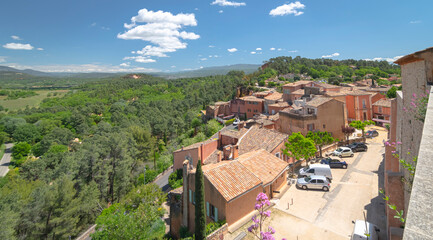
{"x": 261, "y": 125}
{"x": 219, "y": 157}
{"x": 227, "y": 152}
{"x": 185, "y": 194}
{"x": 267, "y": 117}
{"x": 235, "y": 151}
{"x": 219, "y": 139}
{"x": 241, "y": 125}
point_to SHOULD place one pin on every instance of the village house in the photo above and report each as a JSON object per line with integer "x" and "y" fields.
{"x": 273, "y": 98}
{"x": 289, "y": 88}
{"x": 253, "y": 106}
{"x": 319, "y": 114}
{"x": 220, "y": 145}
{"x": 382, "y": 111}
{"x": 231, "y": 187}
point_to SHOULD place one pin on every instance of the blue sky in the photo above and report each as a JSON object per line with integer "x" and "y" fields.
{"x": 173, "y": 35}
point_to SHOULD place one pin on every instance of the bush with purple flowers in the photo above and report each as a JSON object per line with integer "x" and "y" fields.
{"x": 257, "y": 228}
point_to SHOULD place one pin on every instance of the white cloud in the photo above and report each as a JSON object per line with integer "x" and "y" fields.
{"x": 272, "y": 49}
{"x": 331, "y": 55}
{"x": 2, "y": 59}
{"x": 211, "y": 46}
{"x": 140, "y": 59}
{"x": 415, "y": 22}
{"x": 83, "y": 68}
{"x": 291, "y": 8}
{"x": 279, "y": 49}
{"x": 93, "y": 24}
{"x": 203, "y": 59}
{"x": 15, "y": 37}
{"x": 384, "y": 59}
{"x": 232, "y": 50}
{"x": 258, "y": 49}
{"x": 18, "y": 46}
{"x": 105, "y": 28}
{"x": 161, "y": 29}
{"x": 40, "y": 49}
{"x": 196, "y": 9}
{"x": 292, "y": 51}
{"x": 253, "y": 52}
{"x": 125, "y": 64}
{"x": 220, "y": 11}
{"x": 173, "y": 66}
{"x": 225, "y": 3}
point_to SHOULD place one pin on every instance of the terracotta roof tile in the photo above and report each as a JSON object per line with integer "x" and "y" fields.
{"x": 317, "y": 101}
{"x": 231, "y": 178}
{"x": 263, "y": 165}
{"x": 235, "y": 177}
{"x": 260, "y": 138}
{"x": 274, "y": 96}
{"x": 252, "y": 99}
{"x": 383, "y": 103}
{"x": 297, "y": 83}
{"x": 299, "y": 91}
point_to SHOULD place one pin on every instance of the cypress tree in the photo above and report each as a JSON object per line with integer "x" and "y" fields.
{"x": 200, "y": 211}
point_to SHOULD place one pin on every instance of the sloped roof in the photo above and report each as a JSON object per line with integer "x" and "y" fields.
{"x": 260, "y": 138}
{"x": 297, "y": 83}
{"x": 383, "y": 103}
{"x": 299, "y": 91}
{"x": 252, "y": 99}
{"x": 416, "y": 56}
{"x": 317, "y": 101}
{"x": 230, "y": 178}
{"x": 274, "y": 96}
{"x": 235, "y": 177}
{"x": 263, "y": 165}
{"x": 279, "y": 104}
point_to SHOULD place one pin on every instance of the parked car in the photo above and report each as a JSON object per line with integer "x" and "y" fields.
{"x": 362, "y": 228}
{"x": 358, "y": 147}
{"x": 371, "y": 133}
{"x": 343, "y": 152}
{"x": 334, "y": 163}
{"x": 313, "y": 182}
{"x": 316, "y": 170}
{"x": 236, "y": 122}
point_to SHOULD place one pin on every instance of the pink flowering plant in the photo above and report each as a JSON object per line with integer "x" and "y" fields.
{"x": 257, "y": 227}
{"x": 410, "y": 167}
{"x": 418, "y": 106}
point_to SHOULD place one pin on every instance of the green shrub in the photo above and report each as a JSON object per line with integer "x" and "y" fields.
{"x": 176, "y": 179}
{"x": 213, "y": 226}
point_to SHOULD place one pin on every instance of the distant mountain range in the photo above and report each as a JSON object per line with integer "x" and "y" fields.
{"x": 208, "y": 71}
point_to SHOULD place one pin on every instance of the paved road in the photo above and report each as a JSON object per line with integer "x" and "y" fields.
{"x": 162, "y": 181}
{"x": 4, "y": 163}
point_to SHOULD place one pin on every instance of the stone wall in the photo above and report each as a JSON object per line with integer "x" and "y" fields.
{"x": 219, "y": 233}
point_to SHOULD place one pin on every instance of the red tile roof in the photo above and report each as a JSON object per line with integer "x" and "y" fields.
{"x": 235, "y": 177}
{"x": 260, "y": 138}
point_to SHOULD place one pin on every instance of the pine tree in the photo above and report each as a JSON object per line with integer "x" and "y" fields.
{"x": 200, "y": 211}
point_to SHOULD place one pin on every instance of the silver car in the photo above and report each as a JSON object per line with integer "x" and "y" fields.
{"x": 314, "y": 182}
{"x": 343, "y": 152}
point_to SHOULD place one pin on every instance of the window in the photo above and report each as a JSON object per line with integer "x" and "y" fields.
{"x": 363, "y": 104}
{"x": 380, "y": 109}
{"x": 324, "y": 126}
{"x": 191, "y": 196}
{"x": 320, "y": 181}
{"x": 249, "y": 110}
{"x": 310, "y": 110}
{"x": 212, "y": 211}
{"x": 365, "y": 116}
{"x": 311, "y": 171}
{"x": 310, "y": 127}
{"x": 313, "y": 181}
{"x": 277, "y": 155}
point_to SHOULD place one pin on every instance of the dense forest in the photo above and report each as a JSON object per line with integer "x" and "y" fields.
{"x": 334, "y": 71}
{"x": 76, "y": 155}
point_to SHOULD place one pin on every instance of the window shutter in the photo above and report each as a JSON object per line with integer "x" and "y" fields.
{"x": 216, "y": 214}
{"x": 207, "y": 208}
{"x": 190, "y": 196}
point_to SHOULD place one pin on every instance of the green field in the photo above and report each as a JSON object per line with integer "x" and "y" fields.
{"x": 33, "y": 101}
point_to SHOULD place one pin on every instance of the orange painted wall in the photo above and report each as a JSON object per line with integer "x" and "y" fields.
{"x": 179, "y": 157}
{"x": 253, "y": 109}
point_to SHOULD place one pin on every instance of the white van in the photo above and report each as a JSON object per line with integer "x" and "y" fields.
{"x": 317, "y": 169}
{"x": 362, "y": 229}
